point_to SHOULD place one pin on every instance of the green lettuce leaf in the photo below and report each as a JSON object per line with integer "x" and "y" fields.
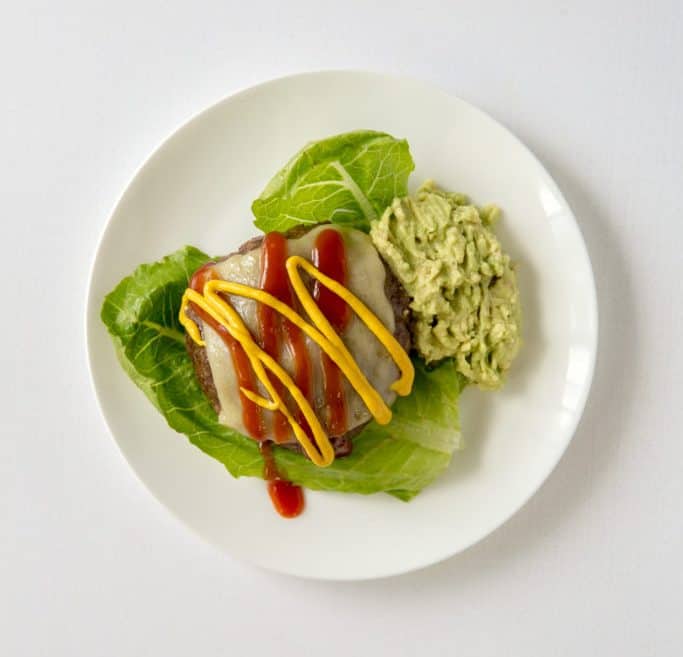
{"x": 347, "y": 179}
{"x": 400, "y": 458}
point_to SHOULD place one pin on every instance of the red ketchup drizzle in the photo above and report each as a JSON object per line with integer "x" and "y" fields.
{"x": 251, "y": 413}
{"x": 287, "y": 498}
{"x": 274, "y": 279}
{"x": 329, "y": 256}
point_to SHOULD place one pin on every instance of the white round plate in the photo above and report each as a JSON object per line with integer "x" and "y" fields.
{"x": 197, "y": 189}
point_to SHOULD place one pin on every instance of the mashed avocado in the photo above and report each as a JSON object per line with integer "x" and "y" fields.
{"x": 465, "y": 300}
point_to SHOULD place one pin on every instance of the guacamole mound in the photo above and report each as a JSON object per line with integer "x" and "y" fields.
{"x": 465, "y": 300}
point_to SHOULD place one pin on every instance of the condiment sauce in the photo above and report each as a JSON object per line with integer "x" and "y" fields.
{"x": 329, "y": 256}
{"x": 251, "y": 413}
{"x": 274, "y": 279}
{"x": 287, "y": 498}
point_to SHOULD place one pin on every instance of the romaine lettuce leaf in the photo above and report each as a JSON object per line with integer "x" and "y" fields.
{"x": 401, "y": 458}
{"x": 347, "y": 179}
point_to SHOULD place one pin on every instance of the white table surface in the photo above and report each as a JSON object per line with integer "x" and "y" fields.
{"x": 91, "y": 564}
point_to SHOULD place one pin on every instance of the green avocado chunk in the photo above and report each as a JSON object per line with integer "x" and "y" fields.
{"x": 465, "y": 299}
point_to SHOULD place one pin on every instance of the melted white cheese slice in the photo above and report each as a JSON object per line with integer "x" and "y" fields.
{"x": 366, "y": 277}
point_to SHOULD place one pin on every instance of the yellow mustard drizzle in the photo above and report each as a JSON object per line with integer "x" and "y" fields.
{"x": 322, "y": 334}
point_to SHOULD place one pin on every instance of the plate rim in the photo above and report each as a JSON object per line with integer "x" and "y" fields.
{"x": 590, "y": 291}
